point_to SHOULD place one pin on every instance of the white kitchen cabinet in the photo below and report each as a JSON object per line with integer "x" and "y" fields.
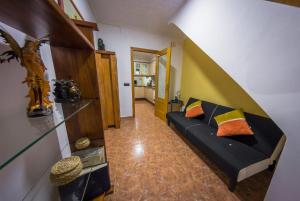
{"x": 139, "y": 92}
{"x": 153, "y": 95}
{"x": 149, "y": 92}
{"x": 145, "y": 92}
{"x": 152, "y": 67}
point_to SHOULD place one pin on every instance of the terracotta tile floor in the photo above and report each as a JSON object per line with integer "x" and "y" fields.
{"x": 150, "y": 161}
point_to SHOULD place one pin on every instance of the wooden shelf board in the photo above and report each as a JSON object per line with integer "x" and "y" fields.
{"x": 87, "y": 24}
{"x": 104, "y": 52}
{"x": 38, "y": 18}
{"x": 288, "y": 2}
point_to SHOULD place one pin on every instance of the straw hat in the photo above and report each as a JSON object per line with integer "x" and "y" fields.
{"x": 82, "y": 143}
{"x": 65, "y": 170}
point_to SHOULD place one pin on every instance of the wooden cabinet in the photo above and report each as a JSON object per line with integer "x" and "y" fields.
{"x": 153, "y": 95}
{"x": 106, "y": 65}
{"x": 149, "y": 92}
{"x": 139, "y": 92}
{"x": 152, "y": 67}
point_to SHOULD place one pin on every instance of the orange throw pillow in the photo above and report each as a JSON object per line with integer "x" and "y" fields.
{"x": 194, "y": 110}
{"x": 233, "y": 123}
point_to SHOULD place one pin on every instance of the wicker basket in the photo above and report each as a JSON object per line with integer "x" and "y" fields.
{"x": 82, "y": 143}
{"x": 65, "y": 170}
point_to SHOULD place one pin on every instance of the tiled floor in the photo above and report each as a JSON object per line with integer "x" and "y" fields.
{"x": 150, "y": 161}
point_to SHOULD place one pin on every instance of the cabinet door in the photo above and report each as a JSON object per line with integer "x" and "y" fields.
{"x": 105, "y": 82}
{"x": 152, "y": 67}
{"x": 109, "y": 92}
{"x": 147, "y": 93}
{"x": 153, "y": 95}
{"x": 139, "y": 92}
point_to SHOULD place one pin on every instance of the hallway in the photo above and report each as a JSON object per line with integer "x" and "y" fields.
{"x": 149, "y": 161}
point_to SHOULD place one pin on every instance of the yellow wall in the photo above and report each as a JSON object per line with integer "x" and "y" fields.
{"x": 202, "y": 78}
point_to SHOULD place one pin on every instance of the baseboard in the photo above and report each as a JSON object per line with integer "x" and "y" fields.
{"x": 129, "y": 117}
{"x": 138, "y": 99}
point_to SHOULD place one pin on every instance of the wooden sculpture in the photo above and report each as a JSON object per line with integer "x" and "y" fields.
{"x": 30, "y": 58}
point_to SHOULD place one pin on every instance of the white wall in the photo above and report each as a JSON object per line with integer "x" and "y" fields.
{"x": 257, "y": 43}
{"x": 120, "y": 39}
{"x": 19, "y": 179}
{"x": 85, "y": 10}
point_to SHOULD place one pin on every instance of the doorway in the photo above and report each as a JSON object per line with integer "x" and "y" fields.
{"x": 150, "y": 77}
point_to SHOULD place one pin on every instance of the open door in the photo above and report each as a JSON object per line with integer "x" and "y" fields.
{"x": 162, "y": 83}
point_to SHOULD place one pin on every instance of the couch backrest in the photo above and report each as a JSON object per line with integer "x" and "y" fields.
{"x": 219, "y": 110}
{"x": 208, "y": 109}
{"x": 266, "y": 133}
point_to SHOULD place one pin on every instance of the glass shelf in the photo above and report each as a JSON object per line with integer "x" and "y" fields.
{"x": 19, "y": 133}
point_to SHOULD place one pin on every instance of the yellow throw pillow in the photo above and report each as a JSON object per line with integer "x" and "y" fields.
{"x": 194, "y": 110}
{"x": 233, "y": 123}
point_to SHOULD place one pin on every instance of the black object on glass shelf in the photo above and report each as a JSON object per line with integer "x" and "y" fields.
{"x": 66, "y": 91}
{"x": 101, "y": 45}
{"x": 91, "y": 183}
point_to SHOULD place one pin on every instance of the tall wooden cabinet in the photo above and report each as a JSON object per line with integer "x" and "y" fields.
{"x": 106, "y": 65}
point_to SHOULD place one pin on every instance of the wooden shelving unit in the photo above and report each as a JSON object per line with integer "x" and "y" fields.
{"x": 74, "y": 58}
{"x": 72, "y": 51}
{"x": 39, "y": 18}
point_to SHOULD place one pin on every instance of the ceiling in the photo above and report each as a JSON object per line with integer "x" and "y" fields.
{"x": 148, "y": 15}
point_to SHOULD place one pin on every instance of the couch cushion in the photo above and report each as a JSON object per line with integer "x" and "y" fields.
{"x": 190, "y": 101}
{"x": 230, "y": 155}
{"x": 218, "y": 111}
{"x": 194, "y": 110}
{"x": 232, "y": 124}
{"x": 181, "y": 122}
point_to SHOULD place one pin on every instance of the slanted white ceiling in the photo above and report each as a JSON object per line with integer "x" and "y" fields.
{"x": 148, "y": 15}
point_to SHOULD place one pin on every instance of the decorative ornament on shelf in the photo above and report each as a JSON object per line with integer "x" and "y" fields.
{"x": 82, "y": 143}
{"x": 65, "y": 170}
{"x": 30, "y": 58}
{"x": 66, "y": 91}
{"x": 101, "y": 45}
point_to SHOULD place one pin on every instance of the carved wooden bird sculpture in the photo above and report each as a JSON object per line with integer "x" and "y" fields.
{"x": 30, "y": 58}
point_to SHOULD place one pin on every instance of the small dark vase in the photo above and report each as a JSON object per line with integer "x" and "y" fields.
{"x": 101, "y": 45}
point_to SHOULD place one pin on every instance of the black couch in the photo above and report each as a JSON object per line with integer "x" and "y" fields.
{"x": 239, "y": 156}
